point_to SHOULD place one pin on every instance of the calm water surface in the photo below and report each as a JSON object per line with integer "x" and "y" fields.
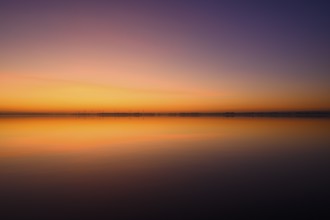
{"x": 162, "y": 166}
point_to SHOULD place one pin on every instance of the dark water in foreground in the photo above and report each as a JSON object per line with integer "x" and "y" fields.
{"x": 162, "y": 167}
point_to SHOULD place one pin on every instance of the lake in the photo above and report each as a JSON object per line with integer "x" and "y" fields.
{"x": 162, "y": 166}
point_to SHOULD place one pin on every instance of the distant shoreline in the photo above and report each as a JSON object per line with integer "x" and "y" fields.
{"x": 293, "y": 114}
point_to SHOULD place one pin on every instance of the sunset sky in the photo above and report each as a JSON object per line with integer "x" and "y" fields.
{"x": 164, "y": 55}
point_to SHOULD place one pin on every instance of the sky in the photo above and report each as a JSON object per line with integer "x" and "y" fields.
{"x": 164, "y": 55}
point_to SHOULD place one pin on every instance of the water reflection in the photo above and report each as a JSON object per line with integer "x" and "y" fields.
{"x": 84, "y": 163}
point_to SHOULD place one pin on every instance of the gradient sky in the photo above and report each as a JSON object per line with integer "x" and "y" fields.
{"x": 169, "y": 56}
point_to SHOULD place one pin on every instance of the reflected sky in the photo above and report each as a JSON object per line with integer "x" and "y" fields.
{"x": 96, "y": 142}
{"x": 119, "y": 164}
{"x": 74, "y": 136}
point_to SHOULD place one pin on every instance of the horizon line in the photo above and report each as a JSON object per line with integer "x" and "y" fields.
{"x": 301, "y": 113}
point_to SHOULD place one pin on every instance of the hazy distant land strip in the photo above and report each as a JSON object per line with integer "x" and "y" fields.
{"x": 293, "y": 114}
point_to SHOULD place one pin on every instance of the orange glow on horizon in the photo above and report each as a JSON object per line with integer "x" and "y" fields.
{"x": 49, "y": 95}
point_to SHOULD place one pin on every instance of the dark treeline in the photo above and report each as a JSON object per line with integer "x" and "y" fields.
{"x": 169, "y": 114}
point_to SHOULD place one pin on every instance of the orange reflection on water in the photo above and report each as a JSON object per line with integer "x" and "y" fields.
{"x": 38, "y": 136}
